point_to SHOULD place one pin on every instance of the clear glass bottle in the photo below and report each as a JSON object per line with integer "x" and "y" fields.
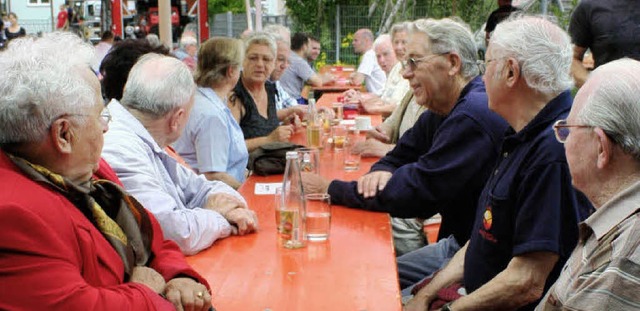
{"x": 314, "y": 125}
{"x": 292, "y": 210}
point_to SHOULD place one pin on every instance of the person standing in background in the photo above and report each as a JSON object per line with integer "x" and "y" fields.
{"x": 609, "y": 29}
{"x": 63, "y": 20}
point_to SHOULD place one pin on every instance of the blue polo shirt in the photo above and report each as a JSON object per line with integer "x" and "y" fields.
{"x": 528, "y": 204}
{"x": 440, "y": 165}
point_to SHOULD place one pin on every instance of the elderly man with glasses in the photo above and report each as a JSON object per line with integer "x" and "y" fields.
{"x": 70, "y": 241}
{"x": 601, "y": 137}
{"x": 441, "y": 164}
{"x": 527, "y": 214}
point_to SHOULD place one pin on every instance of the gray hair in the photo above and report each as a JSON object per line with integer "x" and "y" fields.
{"x": 399, "y": 27}
{"x": 280, "y": 33}
{"x": 542, "y": 49}
{"x": 188, "y": 40}
{"x": 382, "y": 39}
{"x": 613, "y": 103}
{"x": 157, "y": 85}
{"x": 447, "y": 35}
{"x": 37, "y": 87}
{"x": 261, "y": 38}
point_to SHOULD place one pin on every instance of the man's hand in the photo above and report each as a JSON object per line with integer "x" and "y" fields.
{"x": 281, "y": 133}
{"x": 352, "y": 96}
{"x": 188, "y": 295}
{"x": 223, "y": 203}
{"x": 373, "y": 182}
{"x": 378, "y": 133}
{"x": 417, "y": 304}
{"x": 245, "y": 219}
{"x": 371, "y": 148}
{"x": 314, "y": 183}
{"x": 149, "y": 277}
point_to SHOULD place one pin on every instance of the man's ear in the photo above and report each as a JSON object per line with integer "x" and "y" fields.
{"x": 61, "y": 134}
{"x": 174, "y": 119}
{"x": 513, "y": 71}
{"x": 455, "y": 62}
{"x": 605, "y": 148}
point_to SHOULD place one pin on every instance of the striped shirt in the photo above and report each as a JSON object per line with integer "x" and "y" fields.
{"x": 603, "y": 272}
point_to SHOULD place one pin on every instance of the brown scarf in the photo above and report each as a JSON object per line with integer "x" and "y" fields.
{"x": 120, "y": 218}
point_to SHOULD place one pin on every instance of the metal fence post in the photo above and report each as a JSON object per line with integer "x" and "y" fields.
{"x": 229, "y": 24}
{"x": 338, "y": 41}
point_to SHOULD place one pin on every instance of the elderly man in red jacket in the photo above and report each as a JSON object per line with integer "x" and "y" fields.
{"x": 71, "y": 241}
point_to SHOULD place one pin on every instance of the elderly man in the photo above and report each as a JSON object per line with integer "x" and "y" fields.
{"x": 384, "y": 137}
{"x": 299, "y": 71}
{"x": 71, "y": 242}
{"x": 187, "y": 51}
{"x": 441, "y": 164}
{"x": 602, "y": 142}
{"x": 526, "y": 217}
{"x": 395, "y": 87}
{"x": 283, "y": 42}
{"x": 368, "y": 71}
{"x": 152, "y": 114}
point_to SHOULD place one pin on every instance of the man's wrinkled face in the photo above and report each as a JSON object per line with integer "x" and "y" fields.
{"x": 282, "y": 61}
{"x": 386, "y": 57}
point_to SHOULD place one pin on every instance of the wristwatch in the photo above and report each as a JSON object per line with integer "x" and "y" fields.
{"x": 447, "y": 306}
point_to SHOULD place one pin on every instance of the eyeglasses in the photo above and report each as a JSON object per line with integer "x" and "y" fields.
{"x": 105, "y": 116}
{"x": 412, "y": 63}
{"x": 562, "y": 129}
{"x": 483, "y": 65}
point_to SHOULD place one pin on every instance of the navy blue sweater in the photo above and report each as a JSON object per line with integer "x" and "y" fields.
{"x": 440, "y": 166}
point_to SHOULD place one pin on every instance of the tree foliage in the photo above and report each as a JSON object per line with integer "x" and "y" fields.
{"x": 223, "y": 6}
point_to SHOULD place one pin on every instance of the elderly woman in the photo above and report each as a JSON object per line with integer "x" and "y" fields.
{"x": 212, "y": 142}
{"x": 75, "y": 242}
{"x": 253, "y": 102}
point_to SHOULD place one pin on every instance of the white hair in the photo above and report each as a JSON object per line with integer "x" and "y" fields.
{"x": 381, "y": 40}
{"x": 158, "y": 84}
{"x": 188, "y": 40}
{"x": 280, "y": 33}
{"x": 41, "y": 81}
{"x": 399, "y": 27}
{"x": 447, "y": 35}
{"x": 542, "y": 49}
{"x": 261, "y": 38}
{"x": 613, "y": 104}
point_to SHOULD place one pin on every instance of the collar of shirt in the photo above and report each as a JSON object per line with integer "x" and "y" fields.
{"x": 558, "y": 106}
{"x": 617, "y": 209}
{"x": 122, "y": 117}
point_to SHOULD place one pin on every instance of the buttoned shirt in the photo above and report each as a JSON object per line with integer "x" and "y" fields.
{"x": 174, "y": 194}
{"x": 213, "y": 141}
{"x": 603, "y": 272}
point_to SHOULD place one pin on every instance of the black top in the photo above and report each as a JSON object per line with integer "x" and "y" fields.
{"x": 253, "y": 124}
{"x": 497, "y": 16}
{"x": 12, "y": 35}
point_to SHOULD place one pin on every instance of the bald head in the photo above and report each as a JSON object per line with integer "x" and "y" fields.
{"x": 362, "y": 40}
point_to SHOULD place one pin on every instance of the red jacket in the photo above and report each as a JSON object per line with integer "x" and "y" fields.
{"x": 52, "y": 257}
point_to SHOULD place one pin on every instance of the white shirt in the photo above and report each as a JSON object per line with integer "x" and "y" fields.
{"x": 173, "y": 193}
{"x": 374, "y": 75}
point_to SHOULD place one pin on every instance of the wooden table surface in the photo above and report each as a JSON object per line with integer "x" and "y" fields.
{"x": 354, "y": 270}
